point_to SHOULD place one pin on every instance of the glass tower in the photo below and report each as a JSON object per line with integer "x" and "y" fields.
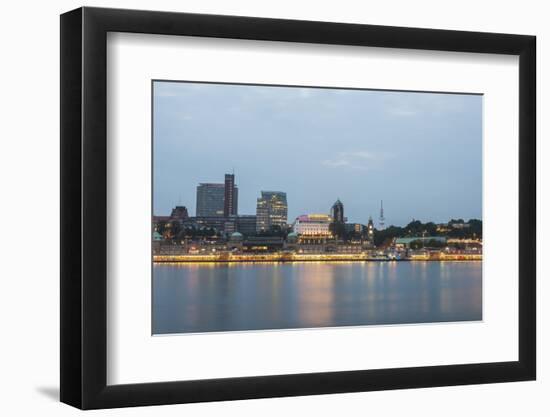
{"x": 210, "y": 200}
{"x": 271, "y": 210}
{"x": 217, "y": 200}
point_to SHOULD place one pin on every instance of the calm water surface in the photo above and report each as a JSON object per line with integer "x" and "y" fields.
{"x": 253, "y": 296}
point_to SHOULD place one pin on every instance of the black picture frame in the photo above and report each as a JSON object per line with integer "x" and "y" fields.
{"x": 84, "y": 207}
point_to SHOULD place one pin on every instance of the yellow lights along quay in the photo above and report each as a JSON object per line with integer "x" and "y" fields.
{"x": 303, "y": 257}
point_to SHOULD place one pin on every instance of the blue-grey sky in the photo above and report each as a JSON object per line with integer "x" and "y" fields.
{"x": 419, "y": 152}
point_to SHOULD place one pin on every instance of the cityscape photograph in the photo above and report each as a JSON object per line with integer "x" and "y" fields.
{"x": 279, "y": 207}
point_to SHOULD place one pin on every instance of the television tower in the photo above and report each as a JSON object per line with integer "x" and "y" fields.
{"x": 382, "y": 219}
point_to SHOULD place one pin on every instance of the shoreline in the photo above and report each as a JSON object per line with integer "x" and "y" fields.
{"x": 193, "y": 259}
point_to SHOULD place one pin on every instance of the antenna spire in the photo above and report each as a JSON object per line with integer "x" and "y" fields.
{"x": 382, "y": 219}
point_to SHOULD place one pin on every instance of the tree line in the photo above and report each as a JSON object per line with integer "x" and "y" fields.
{"x": 472, "y": 229}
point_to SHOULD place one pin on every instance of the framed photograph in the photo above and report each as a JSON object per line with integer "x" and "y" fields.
{"x": 257, "y": 208}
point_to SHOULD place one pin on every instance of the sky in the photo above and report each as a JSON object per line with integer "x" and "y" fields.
{"x": 421, "y": 153}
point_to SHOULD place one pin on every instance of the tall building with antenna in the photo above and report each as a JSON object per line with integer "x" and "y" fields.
{"x": 218, "y": 200}
{"x": 231, "y": 196}
{"x": 382, "y": 219}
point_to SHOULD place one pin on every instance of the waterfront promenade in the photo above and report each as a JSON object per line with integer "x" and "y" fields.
{"x": 305, "y": 257}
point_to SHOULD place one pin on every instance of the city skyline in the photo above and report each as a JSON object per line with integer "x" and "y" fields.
{"x": 434, "y": 175}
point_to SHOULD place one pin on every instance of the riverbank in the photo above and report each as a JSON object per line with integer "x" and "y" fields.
{"x": 302, "y": 257}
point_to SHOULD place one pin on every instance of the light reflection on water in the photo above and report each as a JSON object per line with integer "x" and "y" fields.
{"x": 255, "y": 296}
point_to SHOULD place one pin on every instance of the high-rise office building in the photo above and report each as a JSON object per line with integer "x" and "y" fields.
{"x": 262, "y": 215}
{"x": 271, "y": 210}
{"x": 231, "y": 197}
{"x": 337, "y": 212}
{"x": 216, "y": 200}
{"x": 210, "y": 199}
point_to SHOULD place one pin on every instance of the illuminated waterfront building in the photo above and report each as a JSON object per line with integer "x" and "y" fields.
{"x": 262, "y": 244}
{"x": 313, "y": 225}
{"x": 271, "y": 210}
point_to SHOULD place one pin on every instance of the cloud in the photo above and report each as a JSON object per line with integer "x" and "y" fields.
{"x": 335, "y": 162}
{"x": 357, "y": 160}
{"x": 359, "y": 154}
{"x": 402, "y": 112}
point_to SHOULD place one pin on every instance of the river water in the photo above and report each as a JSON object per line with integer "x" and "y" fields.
{"x": 213, "y": 297}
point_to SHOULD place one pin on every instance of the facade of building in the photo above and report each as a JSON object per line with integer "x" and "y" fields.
{"x": 179, "y": 213}
{"x": 354, "y": 228}
{"x": 262, "y": 215}
{"x": 230, "y": 226}
{"x": 313, "y": 225}
{"x": 271, "y": 210}
{"x": 262, "y": 244}
{"x": 210, "y": 200}
{"x": 246, "y": 224}
{"x": 158, "y": 221}
{"x": 217, "y": 222}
